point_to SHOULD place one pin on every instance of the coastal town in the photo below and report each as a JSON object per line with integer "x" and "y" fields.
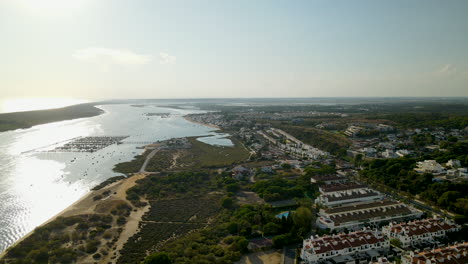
{"x": 312, "y": 187}
{"x": 363, "y": 224}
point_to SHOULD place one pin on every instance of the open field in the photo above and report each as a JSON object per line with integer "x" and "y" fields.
{"x": 266, "y": 257}
{"x": 167, "y": 220}
{"x": 318, "y": 138}
{"x": 203, "y": 155}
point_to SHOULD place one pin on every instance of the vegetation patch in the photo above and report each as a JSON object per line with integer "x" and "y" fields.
{"x": 108, "y": 182}
{"x": 132, "y": 166}
{"x": 203, "y": 155}
{"x": 65, "y": 240}
{"x": 324, "y": 140}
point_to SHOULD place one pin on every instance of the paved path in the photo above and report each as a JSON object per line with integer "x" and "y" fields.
{"x": 148, "y": 158}
{"x": 289, "y": 254}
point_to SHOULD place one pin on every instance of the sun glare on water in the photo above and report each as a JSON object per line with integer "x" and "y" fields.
{"x": 28, "y": 104}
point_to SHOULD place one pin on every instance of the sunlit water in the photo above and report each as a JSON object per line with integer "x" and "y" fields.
{"x": 34, "y": 186}
{"x": 8, "y": 105}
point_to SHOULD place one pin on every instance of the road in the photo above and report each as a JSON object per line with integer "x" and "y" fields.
{"x": 148, "y": 158}
{"x": 289, "y": 255}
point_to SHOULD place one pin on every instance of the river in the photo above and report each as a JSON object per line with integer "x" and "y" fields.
{"x": 36, "y": 185}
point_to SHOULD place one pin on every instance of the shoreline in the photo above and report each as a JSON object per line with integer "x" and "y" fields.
{"x": 28, "y": 119}
{"x": 85, "y": 205}
{"x": 200, "y": 123}
{"x": 54, "y": 217}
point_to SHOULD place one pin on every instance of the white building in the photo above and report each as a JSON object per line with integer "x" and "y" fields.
{"x": 348, "y": 197}
{"x": 457, "y": 173}
{"x": 429, "y": 166}
{"x": 453, "y": 163}
{"x": 351, "y": 131}
{"x": 457, "y": 253}
{"x": 402, "y": 152}
{"x": 355, "y": 216}
{"x": 419, "y": 231}
{"x": 345, "y": 248}
{"x": 328, "y": 179}
{"x": 388, "y": 154}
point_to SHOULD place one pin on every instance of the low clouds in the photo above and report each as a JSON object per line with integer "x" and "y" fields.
{"x": 446, "y": 70}
{"x": 106, "y": 57}
{"x": 165, "y": 58}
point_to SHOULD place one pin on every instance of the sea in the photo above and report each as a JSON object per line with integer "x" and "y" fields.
{"x": 37, "y": 183}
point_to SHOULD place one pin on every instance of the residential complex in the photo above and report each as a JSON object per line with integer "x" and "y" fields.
{"x": 355, "y": 216}
{"x": 364, "y": 244}
{"x": 419, "y": 231}
{"x": 454, "y": 254}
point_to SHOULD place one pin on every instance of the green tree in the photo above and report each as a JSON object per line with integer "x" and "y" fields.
{"x": 395, "y": 242}
{"x": 157, "y": 258}
{"x": 448, "y": 198}
{"x": 282, "y": 240}
{"x": 358, "y": 159}
{"x": 303, "y": 218}
{"x": 227, "y": 202}
{"x": 271, "y": 228}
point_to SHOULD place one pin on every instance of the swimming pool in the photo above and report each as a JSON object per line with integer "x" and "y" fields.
{"x": 283, "y": 214}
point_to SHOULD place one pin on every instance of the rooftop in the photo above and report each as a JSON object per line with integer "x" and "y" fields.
{"x": 399, "y": 209}
{"x": 358, "y": 207}
{"x": 341, "y": 187}
{"x": 453, "y": 254}
{"x": 340, "y": 241}
{"x": 419, "y": 227}
{"x": 350, "y": 195}
{"x": 331, "y": 177}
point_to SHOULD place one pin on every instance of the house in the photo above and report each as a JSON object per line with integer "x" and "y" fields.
{"x": 382, "y": 260}
{"x": 384, "y": 128}
{"x": 453, "y": 163}
{"x": 267, "y": 170}
{"x": 389, "y": 154}
{"x": 352, "y": 131}
{"x": 419, "y": 231}
{"x": 402, "y": 152}
{"x": 240, "y": 172}
{"x": 429, "y": 166}
{"x": 368, "y": 152}
{"x": 345, "y": 248}
{"x": 457, "y": 253}
{"x": 457, "y": 173}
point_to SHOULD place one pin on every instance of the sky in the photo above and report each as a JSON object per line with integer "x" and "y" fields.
{"x": 103, "y": 49}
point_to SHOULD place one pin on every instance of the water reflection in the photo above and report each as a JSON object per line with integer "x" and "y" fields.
{"x": 34, "y": 185}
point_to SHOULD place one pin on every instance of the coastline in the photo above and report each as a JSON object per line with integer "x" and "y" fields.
{"x": 200, "y": 123}
{"x": 87, "y": 205}
{"x": 61, "y": 213}
{"x": 28, "y": 119}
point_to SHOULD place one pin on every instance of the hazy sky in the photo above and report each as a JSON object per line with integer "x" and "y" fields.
{"x": 96, "y": 49}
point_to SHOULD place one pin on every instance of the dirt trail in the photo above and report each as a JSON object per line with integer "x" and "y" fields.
{"x": 148, "y": 158}
{"x": 130, "y": 228}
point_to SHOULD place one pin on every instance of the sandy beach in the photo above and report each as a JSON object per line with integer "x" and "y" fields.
{"x": 200, "y": 123}
{"x": 88, "y": 205}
